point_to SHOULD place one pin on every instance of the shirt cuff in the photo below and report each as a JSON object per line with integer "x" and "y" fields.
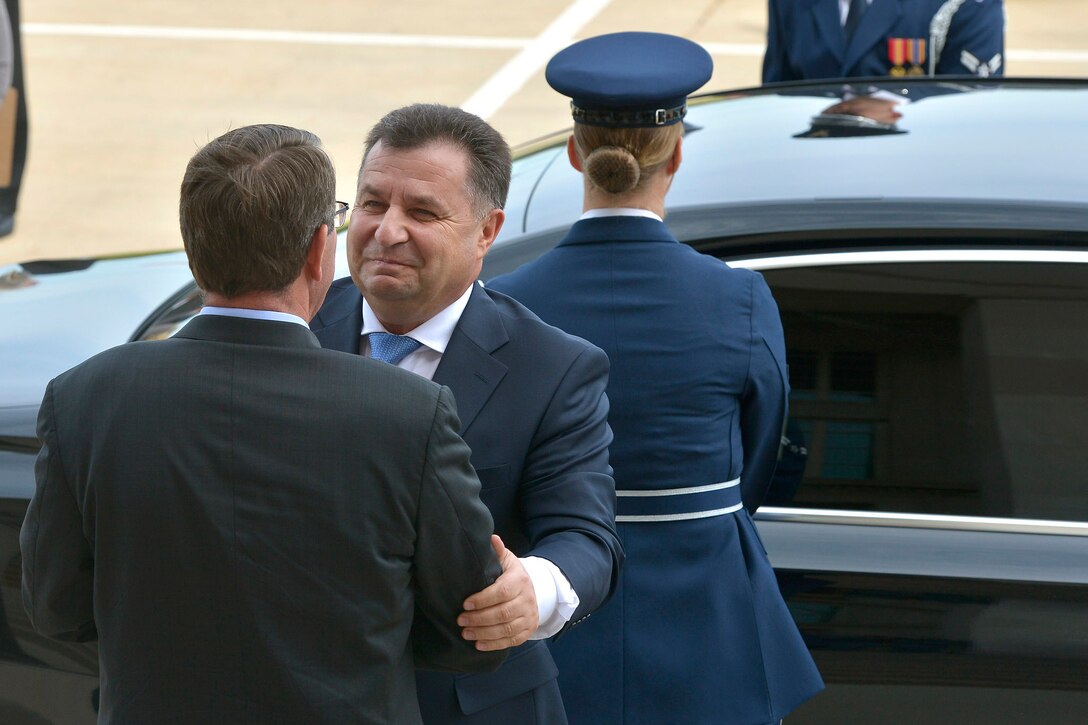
{"x": 556, "y": 599}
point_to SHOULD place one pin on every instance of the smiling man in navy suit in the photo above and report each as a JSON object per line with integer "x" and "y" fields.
{"x": 531, "y": 398}
{"x": 861, "y": 38}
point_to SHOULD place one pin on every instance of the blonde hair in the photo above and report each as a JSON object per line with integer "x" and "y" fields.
{"x": 617, "y": 159}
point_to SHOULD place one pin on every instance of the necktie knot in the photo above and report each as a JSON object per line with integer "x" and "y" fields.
{"x": 391, "y": 348}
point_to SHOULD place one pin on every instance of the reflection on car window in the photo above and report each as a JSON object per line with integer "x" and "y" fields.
{"x": 171, "y": 315}
{"x": 940, "y": 388}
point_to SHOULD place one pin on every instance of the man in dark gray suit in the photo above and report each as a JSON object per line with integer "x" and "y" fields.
{"x": 244, "y": 520}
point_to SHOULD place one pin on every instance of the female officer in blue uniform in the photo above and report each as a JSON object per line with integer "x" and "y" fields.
{"x": 697, "y": 631}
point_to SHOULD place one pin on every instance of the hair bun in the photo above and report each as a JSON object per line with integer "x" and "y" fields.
{"x": 613, "y": 169}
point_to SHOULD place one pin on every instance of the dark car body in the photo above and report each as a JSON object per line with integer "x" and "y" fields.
{"x": 929, "y": 520}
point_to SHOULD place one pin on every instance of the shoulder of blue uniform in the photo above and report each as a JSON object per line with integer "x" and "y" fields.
{"x": 714, "y": 266}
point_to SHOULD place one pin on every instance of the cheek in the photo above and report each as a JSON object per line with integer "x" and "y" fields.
{"x": 431, "y": 249}
{"x": 356, "y": 241}
{"x": 360, "y": 229}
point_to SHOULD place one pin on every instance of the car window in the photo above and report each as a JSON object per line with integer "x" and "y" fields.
{"x": 937, "y": 387}
{"x": 525, "y": 174}
{"x": 184, "y": 304}
{"x": 171, "y": 315}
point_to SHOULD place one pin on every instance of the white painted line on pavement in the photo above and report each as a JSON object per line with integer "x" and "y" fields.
{"x": 586, "y": 8}
{"x": 735, "y": 48}
{"x": 511, "y": 77}
{"x": 276, "y": 36}
{"x": 1049, "y": 56}
{"x": 1035, "y": 56}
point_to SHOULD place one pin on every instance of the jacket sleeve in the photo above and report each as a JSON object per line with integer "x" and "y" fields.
{"x": 976, "y": 40}
{"x": 453, "y": 556}
{"x": 568, "y": 494}
{"x": 776, "y": 65}
{"x": 764, "y": 401}
{"x": 58, "y": 561}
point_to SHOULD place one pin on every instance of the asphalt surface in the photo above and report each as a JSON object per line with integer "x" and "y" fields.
{"x": 122, "y": 93}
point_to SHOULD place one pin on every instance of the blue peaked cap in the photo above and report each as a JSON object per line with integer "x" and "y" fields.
{"x": 639, "y": 80}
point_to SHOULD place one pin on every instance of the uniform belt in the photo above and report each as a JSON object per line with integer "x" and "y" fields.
{"x": 678, "y": 504}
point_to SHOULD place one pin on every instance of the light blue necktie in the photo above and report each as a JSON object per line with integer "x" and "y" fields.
{"x": 391, "y": 348}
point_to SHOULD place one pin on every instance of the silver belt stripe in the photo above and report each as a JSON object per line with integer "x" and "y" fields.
{"x": 679, "y": 492}
{"x": 677, "y": 517}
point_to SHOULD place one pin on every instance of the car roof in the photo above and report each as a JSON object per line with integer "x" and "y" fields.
{"x": 976, "y": 154}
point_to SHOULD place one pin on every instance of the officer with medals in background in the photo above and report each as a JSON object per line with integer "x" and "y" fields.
{"x": 809, "y": 39}
{"x": 697, "y": 631}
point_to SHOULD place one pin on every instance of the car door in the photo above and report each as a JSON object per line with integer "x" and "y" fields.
{"x": 929, "y": 519}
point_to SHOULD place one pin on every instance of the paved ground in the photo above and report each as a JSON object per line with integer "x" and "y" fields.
{"x": 122, "y": 93}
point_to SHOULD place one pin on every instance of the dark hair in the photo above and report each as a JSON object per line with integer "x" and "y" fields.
{"x": 420, "y": 124}
{"x": 250, "y": 203}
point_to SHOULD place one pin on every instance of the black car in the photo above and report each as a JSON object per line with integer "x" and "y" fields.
{"x": 929, "y": 518}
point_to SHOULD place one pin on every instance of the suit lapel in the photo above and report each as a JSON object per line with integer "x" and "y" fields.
{"x": 881, "y": 16}
{"x": 825, "y": 14}
{"x": 340, "y": 321}
{"x": 467, "y": 366}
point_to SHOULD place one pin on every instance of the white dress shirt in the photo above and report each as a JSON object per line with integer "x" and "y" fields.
{"x": 844, "y": 10}
{"x": 555, "y": 597}
{"x": 619, "y": 211}
{"x": 254, "y": 314}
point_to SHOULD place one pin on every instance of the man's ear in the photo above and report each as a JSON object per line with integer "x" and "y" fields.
{"x": 572, "y": 154}
{"x": 314, "y": 268}
{"x": 489, "y": 229}
{"x": 676, "y": 158}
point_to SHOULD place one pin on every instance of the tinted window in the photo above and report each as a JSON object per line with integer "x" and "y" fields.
{"x": 943, "y": 388}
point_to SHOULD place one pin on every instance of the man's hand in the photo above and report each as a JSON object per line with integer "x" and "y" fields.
{"x": 882, "y": 110}
{"x": 504, "y": 614}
